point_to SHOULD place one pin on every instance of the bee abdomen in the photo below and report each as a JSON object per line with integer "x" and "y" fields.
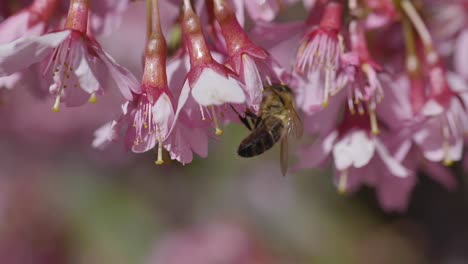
{"x": 261, "y": 139}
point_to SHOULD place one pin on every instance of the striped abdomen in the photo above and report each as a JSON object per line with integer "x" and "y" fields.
{"x": 262, "y": 138}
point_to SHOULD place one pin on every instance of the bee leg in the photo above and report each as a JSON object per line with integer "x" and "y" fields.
{"x": 250, "y": 120}
{"x": 246, "y": 122}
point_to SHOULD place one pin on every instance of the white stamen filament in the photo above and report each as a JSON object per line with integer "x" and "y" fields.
{"x": 202, "y": 113}
{"x": 373, "y": 121}
{"x": 56, "y": 106}
{"x": 160, "y": 160}
{"x": 343, "y": 181}
{"x": 218, "y": 131}
{"x": 447, "y": 159}
{"x": 351, "y": 106}
{"x": 327, "y": 88}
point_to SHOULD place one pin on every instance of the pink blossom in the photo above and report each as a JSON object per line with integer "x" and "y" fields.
{"x": 361, "y": 158}
{"x": 318, "y": 57}
{"x": 150, "y": 119}
{"x": 76, "y": 64}
{"x": 255, "y": 67}
{"x": 437, "y": 129}
{"x": 208, "y": 82}
{"x": 362, "y": 76}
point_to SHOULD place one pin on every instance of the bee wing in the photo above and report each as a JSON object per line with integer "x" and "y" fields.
{"x": 284, "y": 155}
{"x": 295, "y": 124}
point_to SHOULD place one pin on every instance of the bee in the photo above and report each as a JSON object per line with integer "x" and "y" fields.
{"x": 277, "y": 119}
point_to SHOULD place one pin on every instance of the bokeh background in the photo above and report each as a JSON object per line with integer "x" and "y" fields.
{"x": 63, "y": 202}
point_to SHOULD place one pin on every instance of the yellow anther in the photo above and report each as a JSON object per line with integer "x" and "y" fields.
{"x": 56, "y": 106}
{"x": 373, "y": 121}
{"x": 447, "y": 160}
{"x": 92, "y": 99}
{"x": 218, "y": 131}
{"x": 160, "y": 160}
{"x": 343, "y": 182}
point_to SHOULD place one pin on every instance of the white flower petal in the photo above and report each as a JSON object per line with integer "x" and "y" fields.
{"x": 212, "y": 88}
{"x": 104, "y": 135}
{"x": 355, "y": 149}
{"x": 432, "y": 108}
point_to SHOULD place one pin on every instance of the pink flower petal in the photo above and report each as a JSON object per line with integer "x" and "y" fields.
{"x": 253, "y": 82}
{"x": 392, "y": 164}
{"x": 23, "y": 52}
{"x": 18, "y": 26}
{"x": 163, "y": 113}
{"x": 461, "y": 54}
{"x": 123, "y": 79}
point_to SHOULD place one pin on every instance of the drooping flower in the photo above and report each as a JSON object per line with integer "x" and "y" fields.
{"x": 73, "y": 61}
{"x": 208, "y": 82}
{"x": 441, "y": 97}
{"x": 318, "y": 56}
{"x": 150, "y": 119}
{"x": 255, "y": 67}
{"x": 361, "y": 75}
{"x": 360, "y": 157}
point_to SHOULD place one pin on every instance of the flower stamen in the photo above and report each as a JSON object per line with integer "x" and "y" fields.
{"x": 343, "y": 182}
{"x": 159, "y": 160}
{"x": 218, "y": 130}
{"x": 447, "y": 159}
{"x": 373, "y": 121}
{"x": 56, "y": 107}
{"x": 92, "y": 99}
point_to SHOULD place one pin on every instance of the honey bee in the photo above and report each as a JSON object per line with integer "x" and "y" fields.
{"x": 277, "y": 119}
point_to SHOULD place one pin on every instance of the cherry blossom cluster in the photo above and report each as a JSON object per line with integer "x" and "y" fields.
{"x": 381, "y": 86}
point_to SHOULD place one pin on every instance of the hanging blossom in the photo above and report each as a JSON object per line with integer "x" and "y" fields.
{"x": 73, "y": 61}
{"x": 360, "y": 157}
{"x": 361, "y": 74}
{"x": 208, "y": 83}
{"x": 318, "y": 59}
{"x": 255, "y": 67}
{"x": 439, "y": 100}
{"x": 441, "y": 136}
{"x": 422, "y": 137}
{"x": 150, "y": 118}
{"x": 30, "y": 21}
